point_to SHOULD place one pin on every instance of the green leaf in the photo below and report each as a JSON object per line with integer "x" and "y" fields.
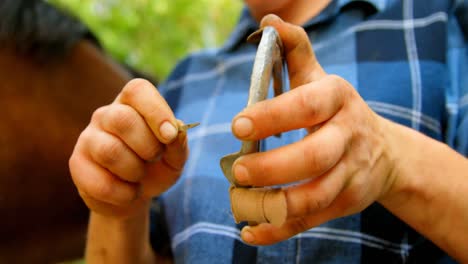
{"x": 152, "y": 35}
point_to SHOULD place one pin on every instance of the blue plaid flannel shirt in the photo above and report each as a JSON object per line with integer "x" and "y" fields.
{"x": 408, "y": 59}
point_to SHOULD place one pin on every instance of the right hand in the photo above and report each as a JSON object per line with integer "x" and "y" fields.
{"x": 130, "y": 152}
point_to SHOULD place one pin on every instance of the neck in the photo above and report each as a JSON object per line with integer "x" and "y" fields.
{"x": 295, "y": 12}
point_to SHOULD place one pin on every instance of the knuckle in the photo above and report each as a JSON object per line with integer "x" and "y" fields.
{"x": 307, "y": 102}
{"x": 109, "y": 152}
{"x": 103, "y": 191}
{"x": 340, "y": 85}
{"x": 303, "y": 45}
{"x": 85, "y": 139}
{"x": 99, "y": 114}
{"x": 317, "y": 157}
{"x": 301, "y": 35}
{"x": 123, "y": 120}
{"x": 299, "y": 224}
{"x": 320, "y": 202}
{"x": 73, "y": 163}
{"x": 301, "y": 41}
{"x": 336, "y": 80}
{"x": 151, "y": 151}
{"x": 132, "y": 88}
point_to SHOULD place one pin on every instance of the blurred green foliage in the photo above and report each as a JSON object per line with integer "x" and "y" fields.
{"x": 152, "y": 35}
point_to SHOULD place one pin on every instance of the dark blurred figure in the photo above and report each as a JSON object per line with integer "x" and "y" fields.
{"x": 53, "y": 74}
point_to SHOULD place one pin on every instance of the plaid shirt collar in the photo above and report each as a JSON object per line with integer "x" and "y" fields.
{"x": 248, "y": 25}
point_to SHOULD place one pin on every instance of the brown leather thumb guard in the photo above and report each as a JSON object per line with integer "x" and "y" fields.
{"x": 258, "y": 205}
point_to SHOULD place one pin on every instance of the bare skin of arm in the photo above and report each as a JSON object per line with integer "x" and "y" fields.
{"x": 351, "y": 158}
{"x": 113, "y": 240}
{"x": 429, "y": 190}
{"x": 130, "y": 152}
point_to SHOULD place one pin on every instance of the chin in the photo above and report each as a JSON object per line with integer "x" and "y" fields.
{"x": 266, "y": 6}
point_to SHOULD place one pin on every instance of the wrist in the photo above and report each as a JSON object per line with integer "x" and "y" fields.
{"x": 129, "y": 238}
{"x": 393, "y": 158}
{"x": 428, "y": 184}
{"x": 128, "y": 217}
{"x": 408, "y": 150}
{"x": 118, "y": 214}
{"x": 122, "y": 219}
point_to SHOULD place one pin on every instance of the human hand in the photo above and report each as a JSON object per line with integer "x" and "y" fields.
{"x": 130, "y": 152}
{"x": 341, "y": 166}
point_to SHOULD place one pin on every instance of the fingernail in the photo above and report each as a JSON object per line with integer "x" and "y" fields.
{"x": 268, "y": 19}
{"x": 241, "y": 174}
{"x": 168, "y": 131}
{"x": 247, "y": 236}
{"x": 243, "y": 127}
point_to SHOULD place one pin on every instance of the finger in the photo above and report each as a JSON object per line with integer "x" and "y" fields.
{"x": 146, "y": 100}
{"x": 316, "y": 195}
{"x": 163, "y": 174}
{"x": 267, "y": 234}
{"x": 99, "y": 183}
{"x": 306, "y": 106}
{"x": 177, "y": 152}
{"x": 305, "y": 159}
{"x": 302, "y": 215}
{"x": 111, "y": 153}
{"x": 312, "y": 204}
{"x": 303, "y": 66}
{"x": 125, "y": 123}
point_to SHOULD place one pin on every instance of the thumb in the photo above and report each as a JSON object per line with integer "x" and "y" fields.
{"x": 162, "y": 174}
{"x": 303, "y": 66}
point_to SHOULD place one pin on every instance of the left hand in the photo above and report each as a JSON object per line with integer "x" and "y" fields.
{"x": 343, "y": 164}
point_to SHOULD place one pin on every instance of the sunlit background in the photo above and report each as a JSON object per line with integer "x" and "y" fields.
{"x": 152, "y": 35}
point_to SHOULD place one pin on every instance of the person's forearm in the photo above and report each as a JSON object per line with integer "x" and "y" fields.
{"x": 430, "y": 189}
{"x": 113, "y": 240}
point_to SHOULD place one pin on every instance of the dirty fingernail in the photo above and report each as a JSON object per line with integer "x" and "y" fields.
{"x": 168, "y": 131}
{"x": 241, "y": 174}
{"x": 269, "y": 18}
{"x": 243, "y": 127}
